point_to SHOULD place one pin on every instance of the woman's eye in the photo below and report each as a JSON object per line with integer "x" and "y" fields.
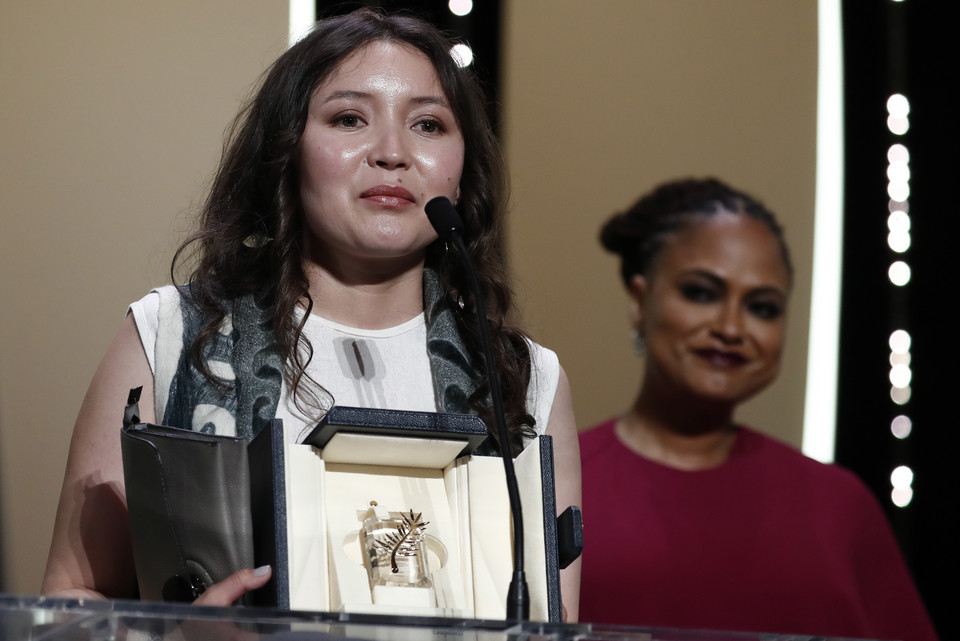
{"x": 347, "y": 121}
{"x": 698, "y": 293}
{"x": 429, "y": 126}
{"x": 765, "y": 310}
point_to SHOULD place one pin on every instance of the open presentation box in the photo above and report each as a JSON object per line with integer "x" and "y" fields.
{"x": 310, "y": 504}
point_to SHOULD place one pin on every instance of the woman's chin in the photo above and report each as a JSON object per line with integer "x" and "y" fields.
{"x": 723, "y": 393}
{"x": 728, "y": 397}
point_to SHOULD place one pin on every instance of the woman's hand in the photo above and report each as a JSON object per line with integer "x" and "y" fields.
{"x": 223, "y": 594}
{"x": 233, "y": 587}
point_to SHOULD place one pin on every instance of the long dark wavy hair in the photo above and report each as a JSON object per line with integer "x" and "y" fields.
{"x": 637, "y": 234}
{"x": 250, "y": 234}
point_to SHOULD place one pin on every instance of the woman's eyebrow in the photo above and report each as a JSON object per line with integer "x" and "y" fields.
{"x": 347, "y": 94}
{"x": 431, "y": 100}
{"x": 703, "y": 273}
{"x": 351, "y": 94}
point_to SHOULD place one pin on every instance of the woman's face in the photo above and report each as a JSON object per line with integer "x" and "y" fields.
{"x": 380, "y": 141}
{"x": 712, "y": 311}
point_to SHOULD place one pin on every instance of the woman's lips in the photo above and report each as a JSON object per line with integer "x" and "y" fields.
{"x": 720, "y": 358}
{"x": 389, "y": 195}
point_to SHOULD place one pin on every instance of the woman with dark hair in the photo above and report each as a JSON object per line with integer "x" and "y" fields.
{"x": 707, "y": 523}
{"x": 318, "y": 279}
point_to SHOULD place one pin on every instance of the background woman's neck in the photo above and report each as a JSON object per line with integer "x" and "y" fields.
{"x": 682, "y": 433}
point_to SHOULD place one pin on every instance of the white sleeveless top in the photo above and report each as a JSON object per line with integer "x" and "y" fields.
{"x": 383, "y": 368}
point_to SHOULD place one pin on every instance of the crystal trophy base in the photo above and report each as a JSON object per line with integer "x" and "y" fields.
{"x": 395, "y": 557}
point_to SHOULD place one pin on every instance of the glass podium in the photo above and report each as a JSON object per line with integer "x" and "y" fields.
{"x": 31, "y": 618}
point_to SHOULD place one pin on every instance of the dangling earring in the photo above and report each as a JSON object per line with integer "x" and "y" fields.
{"x": 638, "y": 345}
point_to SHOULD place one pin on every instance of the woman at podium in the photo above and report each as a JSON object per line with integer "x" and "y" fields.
{"x": 314, "y": 278}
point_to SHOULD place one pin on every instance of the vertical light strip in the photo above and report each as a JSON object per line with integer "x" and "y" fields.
{"x": 819, "y": 413}
{"x": 303, "y": 15}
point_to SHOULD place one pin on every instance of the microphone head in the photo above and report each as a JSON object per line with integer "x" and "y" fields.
{"x": 443, "y": 216}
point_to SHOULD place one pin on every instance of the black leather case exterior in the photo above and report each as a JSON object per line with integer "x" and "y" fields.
{"x": 269, "y": 508}
{"x": 188, "y": 496}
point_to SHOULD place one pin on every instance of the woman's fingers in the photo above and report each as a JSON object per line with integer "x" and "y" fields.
{"x": 234, "y": 586}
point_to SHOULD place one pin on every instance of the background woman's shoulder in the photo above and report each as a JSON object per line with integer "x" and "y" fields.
{"x": 829, "y": 483}
{"x": 596, "y": 439}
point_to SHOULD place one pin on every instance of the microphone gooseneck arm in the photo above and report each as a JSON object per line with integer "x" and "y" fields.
{"x": 447, "y": 223}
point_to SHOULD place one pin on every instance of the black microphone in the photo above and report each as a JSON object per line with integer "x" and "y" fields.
{"x": 447, "y": 223}
{"x": 445, "y": 219}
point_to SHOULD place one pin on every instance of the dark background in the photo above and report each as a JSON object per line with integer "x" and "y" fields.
{"x": 902, "y": 47}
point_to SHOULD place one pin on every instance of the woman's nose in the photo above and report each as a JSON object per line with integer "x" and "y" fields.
{"x": 389, "y": 149}
{"x": 728, "y": 325}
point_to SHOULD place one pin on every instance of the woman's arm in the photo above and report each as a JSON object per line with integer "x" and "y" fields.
{"x": 91, "y": 556}
{"x": 566, "y": 461}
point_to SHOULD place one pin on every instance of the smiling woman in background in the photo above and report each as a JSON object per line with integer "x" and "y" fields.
{"x": 692, "y": 520}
